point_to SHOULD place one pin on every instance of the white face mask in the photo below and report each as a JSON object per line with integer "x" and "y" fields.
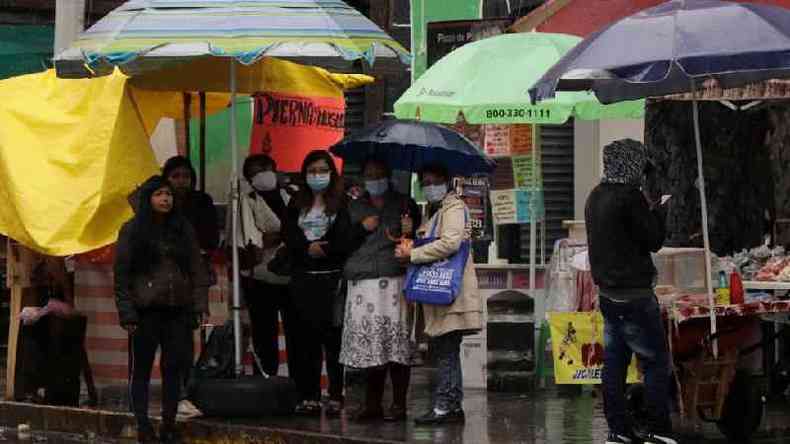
{"x": 435, "y": 193}
{"x": 264, "y": 181}
{"x": 377, "y": 187}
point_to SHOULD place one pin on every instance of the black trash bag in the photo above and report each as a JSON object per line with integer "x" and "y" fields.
{"x": 217, "y": 392}
{"x": 216, "y": 359}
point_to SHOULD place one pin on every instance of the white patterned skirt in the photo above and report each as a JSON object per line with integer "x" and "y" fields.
{"x": 378, "y": 324}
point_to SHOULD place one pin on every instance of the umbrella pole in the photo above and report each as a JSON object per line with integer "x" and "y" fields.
{"x": 187, "y": 118}
{"x": 705, "y": 233}
{"x": 234, "y": 177}
{"x": 533, "y": 234}
{"x": 202, "y": 141}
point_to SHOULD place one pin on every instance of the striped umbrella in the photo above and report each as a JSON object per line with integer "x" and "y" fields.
{"x": 144, "y": 35}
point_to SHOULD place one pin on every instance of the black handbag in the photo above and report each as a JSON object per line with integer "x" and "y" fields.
{"x": 281, "y": 264}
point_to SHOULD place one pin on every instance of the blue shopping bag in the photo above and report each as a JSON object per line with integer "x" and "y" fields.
{"x": 437, "y": 283}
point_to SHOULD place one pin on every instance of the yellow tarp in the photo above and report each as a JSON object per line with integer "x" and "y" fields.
{"x": 72, "y": 150}
{"x": 70, "y": 153}
{"x": 577, "y": 346}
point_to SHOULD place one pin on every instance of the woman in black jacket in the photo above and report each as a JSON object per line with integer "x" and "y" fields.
{"x": 316, "y": 238}
{"x": 158, "y": 280}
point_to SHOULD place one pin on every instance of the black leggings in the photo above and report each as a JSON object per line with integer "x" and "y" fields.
{"x": 172, "y": 331}
{"x": 313, "y": 328}
{"x": 264, "y": 301}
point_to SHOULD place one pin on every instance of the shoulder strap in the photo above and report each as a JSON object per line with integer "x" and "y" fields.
{"x": 242, "y": 198}
{"x": 439, "y": 216}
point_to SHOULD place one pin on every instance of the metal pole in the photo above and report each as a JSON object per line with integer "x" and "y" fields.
{"x": 533, "y": 234}
{"x": 234, "y": 177}
{"x": 202, "y": 141}
{"x": 705, "y": 234}
{"x": 69, "y": 22}
{"x": 187, "y": 118}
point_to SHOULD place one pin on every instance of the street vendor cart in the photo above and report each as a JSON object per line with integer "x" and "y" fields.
{"x": 721, "y": 391}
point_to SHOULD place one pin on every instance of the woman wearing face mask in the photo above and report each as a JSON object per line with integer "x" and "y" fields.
{"x": 158, "y": 280}
{"x": 317, "y": 237}
{"x": 264, "y": 211}
{"x": 446, "y": 324}
{"x": 378, "y": 320}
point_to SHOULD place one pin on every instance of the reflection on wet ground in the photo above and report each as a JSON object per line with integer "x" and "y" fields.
{"x": 551, "y": 416}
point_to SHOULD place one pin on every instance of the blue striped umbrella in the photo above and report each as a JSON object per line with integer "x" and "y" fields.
{"x": 148, "y": 35}
{"x": 144, "y": 35}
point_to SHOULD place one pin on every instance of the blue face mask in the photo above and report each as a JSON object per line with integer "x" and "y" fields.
{"x": 435, "y": 193}
{"x": 318, "y": 182}
{"x": 377, "y": 187}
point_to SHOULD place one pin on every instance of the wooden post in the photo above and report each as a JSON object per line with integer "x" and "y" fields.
{"x": 19, "y": 264}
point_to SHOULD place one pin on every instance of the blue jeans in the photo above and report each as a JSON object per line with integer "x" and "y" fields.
{"x": 449, "y": 392}
{"x": 635, "y": 327}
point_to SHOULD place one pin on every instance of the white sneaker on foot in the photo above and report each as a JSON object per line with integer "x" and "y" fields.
{"x": 616, "y": 438}
{"x": 188, "y": 410}
{"x": 659, "y": 438}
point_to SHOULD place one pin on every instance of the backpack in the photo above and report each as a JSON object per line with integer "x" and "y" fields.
{"x": 216, "y": 360}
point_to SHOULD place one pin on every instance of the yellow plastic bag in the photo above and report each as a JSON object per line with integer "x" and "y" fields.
{"x": 577, "y": 346}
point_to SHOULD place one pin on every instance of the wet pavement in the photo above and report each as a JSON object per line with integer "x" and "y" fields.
{"x": 551, "y": 416}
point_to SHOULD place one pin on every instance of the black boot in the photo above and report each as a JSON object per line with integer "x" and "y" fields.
{"x": 145, "y": 433}
{"x": 374, "y": 392}
{"x": 400, "y": 375}
{"x": 170, "y": 434}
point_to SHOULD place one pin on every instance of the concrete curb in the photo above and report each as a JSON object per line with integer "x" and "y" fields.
{"x": 116, "y": 425}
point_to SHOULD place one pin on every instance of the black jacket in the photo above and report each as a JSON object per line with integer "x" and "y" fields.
{"x": 164, "y": 286}
{"x": 199, "y": 210}
{"x": 622, "y": 231}
{"x": 339, "y": 238}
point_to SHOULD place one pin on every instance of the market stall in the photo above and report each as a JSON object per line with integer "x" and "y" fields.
{"x": 490, "y": 107}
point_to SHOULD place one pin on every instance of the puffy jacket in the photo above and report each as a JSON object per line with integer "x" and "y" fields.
{"x": 165, "y": 285}
{"x": 622, "y": 231}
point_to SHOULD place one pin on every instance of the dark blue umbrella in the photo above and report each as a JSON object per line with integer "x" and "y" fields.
{"x": 660, "y": 50}
{"x": 672, "y": 48}
{"x": 409, "y": 145}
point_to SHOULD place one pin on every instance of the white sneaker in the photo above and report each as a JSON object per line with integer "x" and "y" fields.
{"x": 615, "y": 438}
{"x": 188, "y": 410}
{"x": 656, "y": 438}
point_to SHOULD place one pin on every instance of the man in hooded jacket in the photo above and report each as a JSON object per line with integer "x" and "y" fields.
{"x": 624, "y": 226}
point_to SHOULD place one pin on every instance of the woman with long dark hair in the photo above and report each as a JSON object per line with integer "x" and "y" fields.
{"x": 158, "y": 280}
{"x": 316, "y": 237}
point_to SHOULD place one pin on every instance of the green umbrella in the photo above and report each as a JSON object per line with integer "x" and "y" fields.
{"x": 487, "y": 81}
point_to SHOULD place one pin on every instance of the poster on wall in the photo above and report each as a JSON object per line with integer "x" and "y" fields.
{"x": 516, "y": 206}
{"x": 506, "y": 140}
{"x": 526, "y": 171}
{"x": 474, "y": 192}
{"x": 287, "y": 127}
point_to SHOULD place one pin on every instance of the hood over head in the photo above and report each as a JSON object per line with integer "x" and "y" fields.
{"x": 625, "y": 162}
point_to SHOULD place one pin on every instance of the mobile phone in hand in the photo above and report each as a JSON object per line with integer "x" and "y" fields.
{"x": 665, "y": 198}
